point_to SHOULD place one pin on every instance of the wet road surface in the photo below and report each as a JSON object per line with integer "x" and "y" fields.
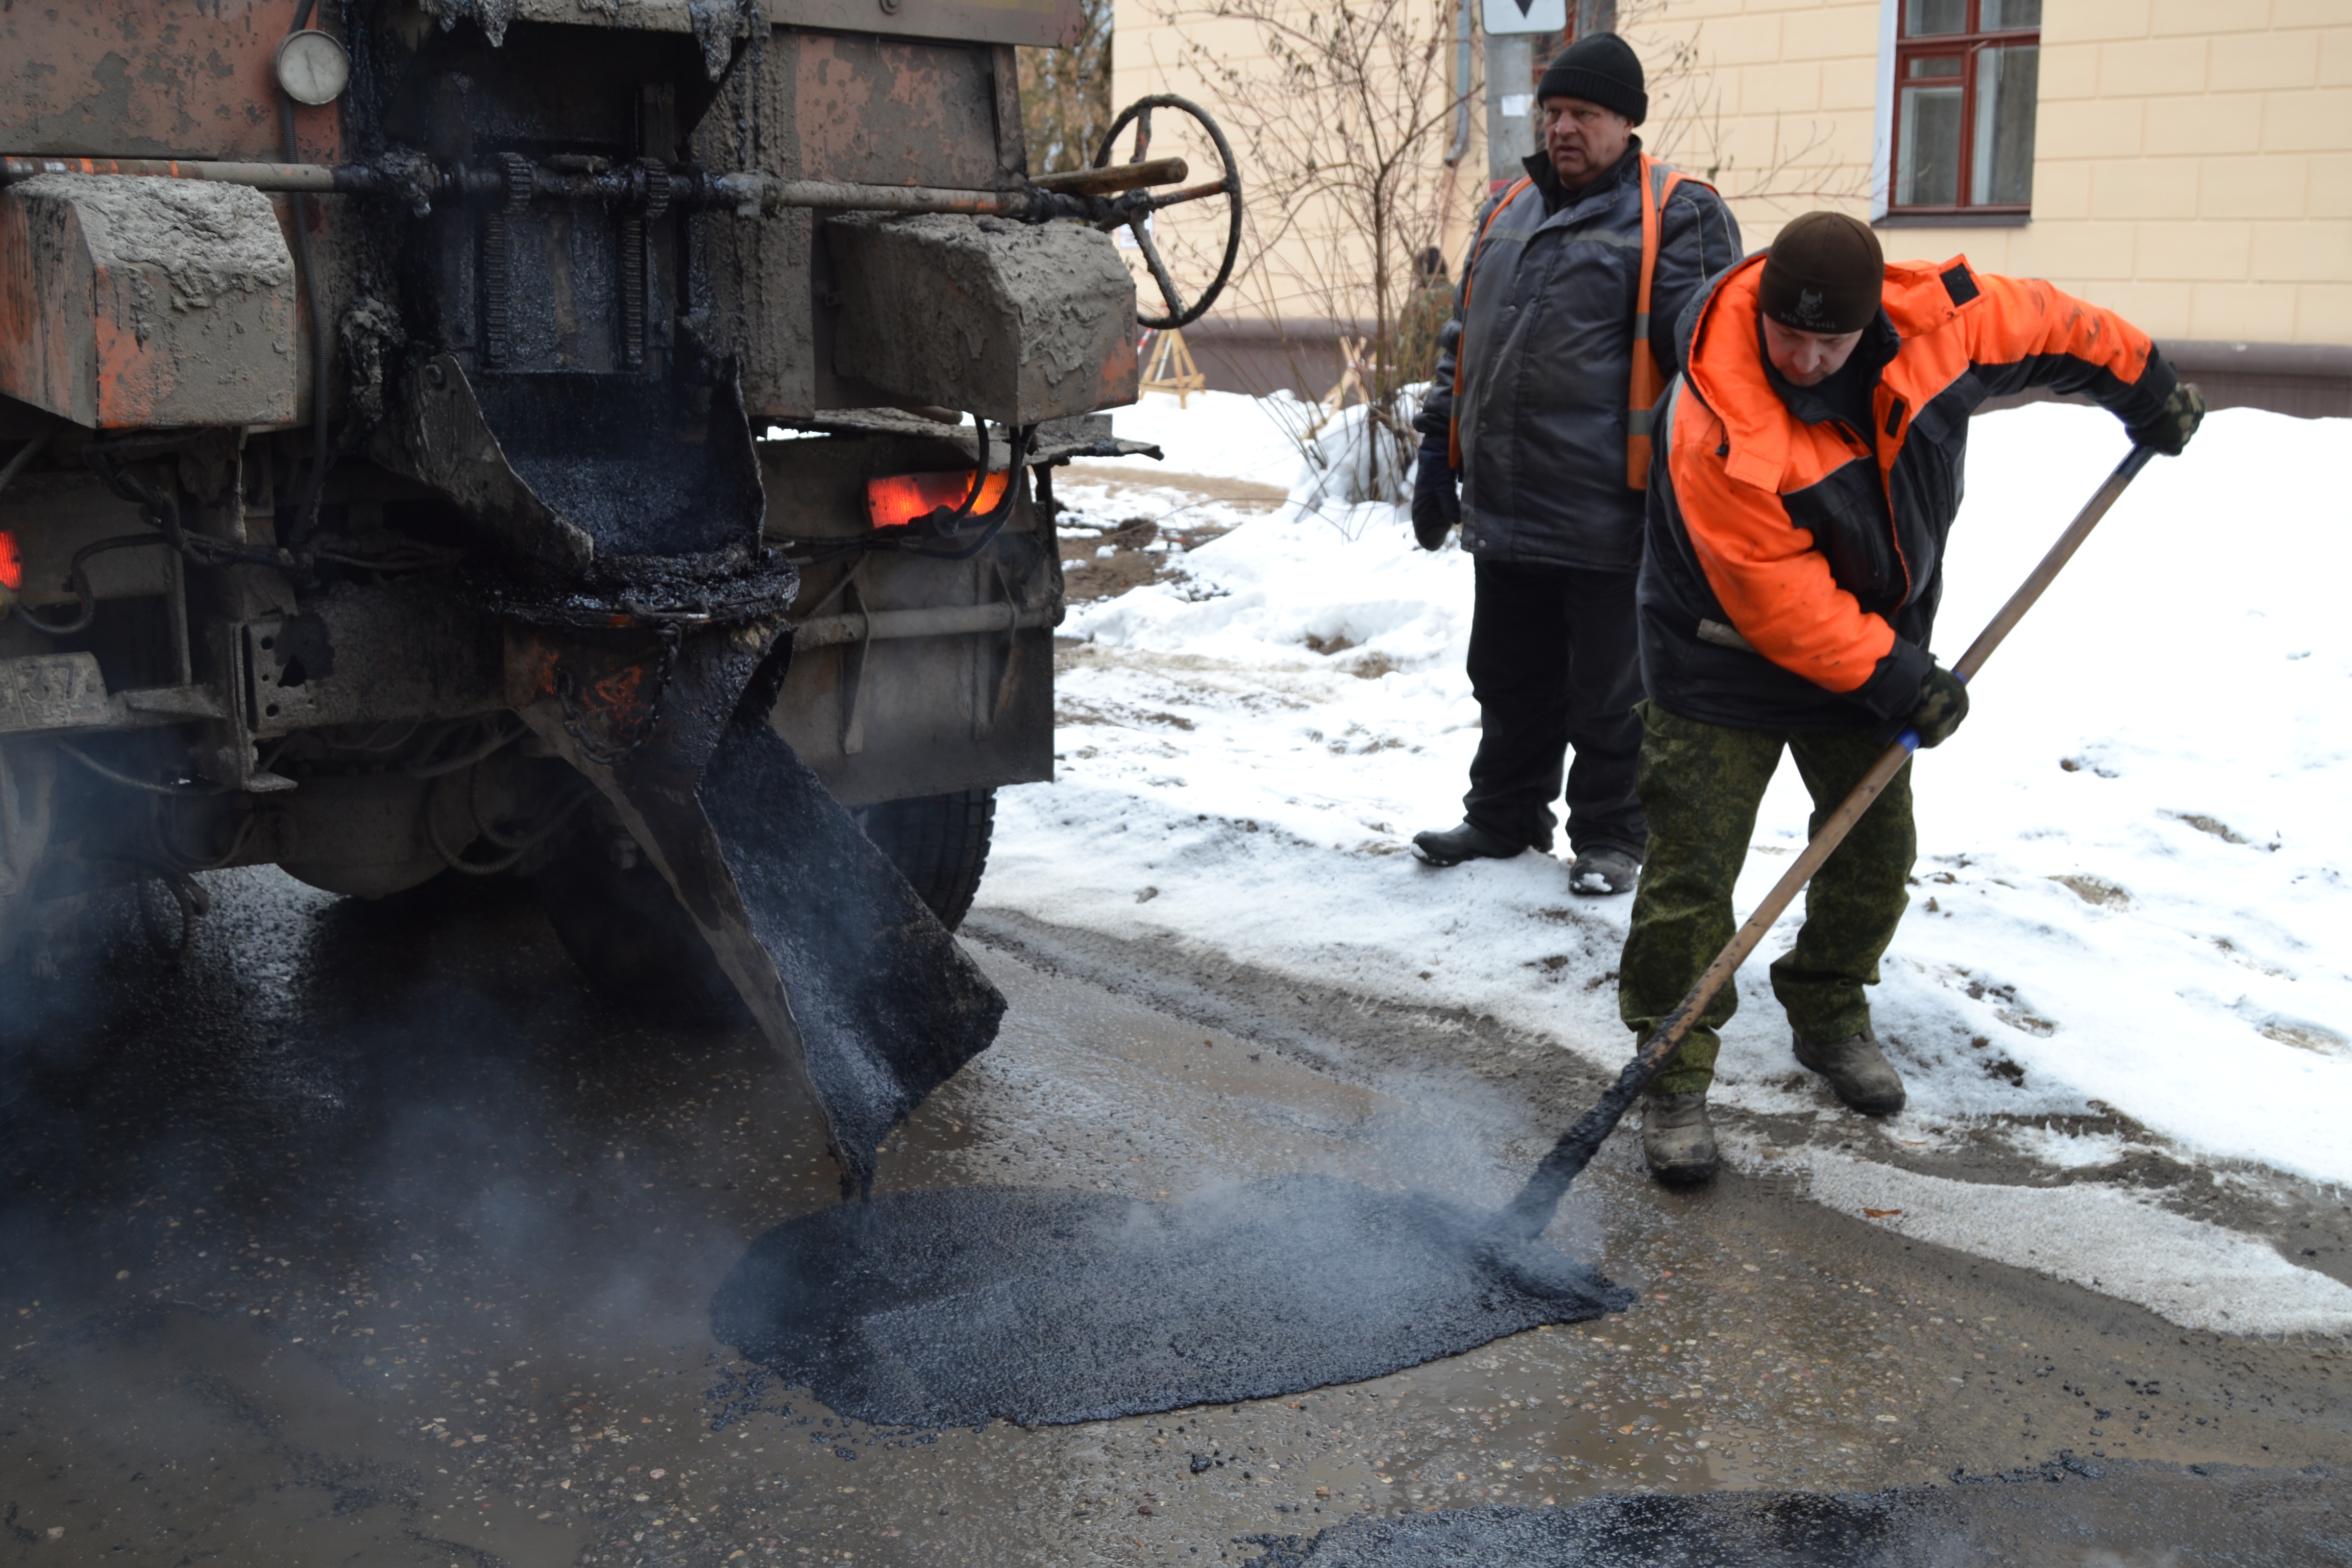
{"x": 2060, "y": 1512}
{"x": 369, "y": 1236}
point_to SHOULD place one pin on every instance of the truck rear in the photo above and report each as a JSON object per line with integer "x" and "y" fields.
{"x": 602, "y": 441}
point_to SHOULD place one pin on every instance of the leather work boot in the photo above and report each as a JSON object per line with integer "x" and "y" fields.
{"x": 1858, "y": 1071}
{"x": 1599, "y": 872}
{"x": 1467, "y": 842}
{"x": 1677, "y": 1140}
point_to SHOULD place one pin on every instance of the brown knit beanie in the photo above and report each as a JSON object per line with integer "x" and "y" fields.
{"x": 1823, "y": 274}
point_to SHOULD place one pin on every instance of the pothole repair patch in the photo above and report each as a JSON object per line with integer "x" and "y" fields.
{"x": 1048, "y": 1306}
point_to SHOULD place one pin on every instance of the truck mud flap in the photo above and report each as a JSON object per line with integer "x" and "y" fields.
{"x": 851, "y": 977}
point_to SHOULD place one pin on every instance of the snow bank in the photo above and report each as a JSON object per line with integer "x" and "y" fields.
{"x": 2133, "y": 858}
{"x": 1264, "y": 440}
{"x": 1222, "y": 434}
{"x": 2197, "y": 1275}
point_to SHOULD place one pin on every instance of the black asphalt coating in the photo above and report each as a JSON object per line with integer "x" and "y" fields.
{"x": 2063, "y": 1511}
{"x": 1047, "y": 1306}
{"x": 603, "y": 454}
{"x": 889, "y": 1006}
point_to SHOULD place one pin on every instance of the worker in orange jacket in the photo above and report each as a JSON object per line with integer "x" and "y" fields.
{"x": 1807, "y": 469}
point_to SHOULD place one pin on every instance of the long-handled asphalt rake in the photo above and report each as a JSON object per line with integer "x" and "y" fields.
{"x": 1526, "y": 1216}
{"x": 1048, "y": 1305}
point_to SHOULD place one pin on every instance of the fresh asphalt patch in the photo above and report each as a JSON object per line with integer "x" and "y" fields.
{"x": 1047, "y": 1306}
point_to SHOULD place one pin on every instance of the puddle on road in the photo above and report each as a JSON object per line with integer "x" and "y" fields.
{"x": 1038, "y": 1306}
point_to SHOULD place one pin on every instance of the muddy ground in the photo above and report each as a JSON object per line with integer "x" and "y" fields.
{"x": 368, "y": 1234}
{"x": 1127, "y": 527}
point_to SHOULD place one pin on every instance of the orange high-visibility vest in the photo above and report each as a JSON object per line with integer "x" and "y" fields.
{"x": 1658, "y": 181}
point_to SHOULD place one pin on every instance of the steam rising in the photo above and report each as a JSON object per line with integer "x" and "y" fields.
{"x": 1052, "y": 1306}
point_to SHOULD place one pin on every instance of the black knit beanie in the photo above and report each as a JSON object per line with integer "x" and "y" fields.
{"x": 1600, "y": 69}
{"x": 1823, "y": 274}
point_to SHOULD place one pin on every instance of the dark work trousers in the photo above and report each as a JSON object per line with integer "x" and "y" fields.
{"x": 1703, "y": 784}
{"x": 1553, "y": 665}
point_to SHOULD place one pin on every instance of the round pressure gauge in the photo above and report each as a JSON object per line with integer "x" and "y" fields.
{"x": 312, "y": 67}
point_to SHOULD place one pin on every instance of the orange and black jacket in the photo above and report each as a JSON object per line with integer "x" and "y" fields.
{"x": 1792, "y": 563}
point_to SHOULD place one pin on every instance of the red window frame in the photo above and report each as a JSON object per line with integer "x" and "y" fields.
{"x": 1965, "y": 45}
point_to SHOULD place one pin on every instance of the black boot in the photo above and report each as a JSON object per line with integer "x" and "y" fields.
{"x": 1467, "y": 842}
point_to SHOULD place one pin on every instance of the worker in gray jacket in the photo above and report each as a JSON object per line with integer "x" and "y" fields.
{"x": 1535, "y": 438}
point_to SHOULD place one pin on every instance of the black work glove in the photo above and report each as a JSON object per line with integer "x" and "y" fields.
{"x": 1943, "y": 704}
{"x": 2169, "y": 430}
{"x": 1436, "y": 504}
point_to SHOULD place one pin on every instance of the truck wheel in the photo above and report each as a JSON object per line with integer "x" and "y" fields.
{"x": 632, "y": 940}
{"x": 940, "y": 844}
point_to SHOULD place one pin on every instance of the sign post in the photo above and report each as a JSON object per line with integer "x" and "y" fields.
{"x": 1502, "y": 18}
{"x": 1511, "y": 28}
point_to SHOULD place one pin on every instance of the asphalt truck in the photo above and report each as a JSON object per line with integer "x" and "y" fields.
{"x": 601, "y": 441}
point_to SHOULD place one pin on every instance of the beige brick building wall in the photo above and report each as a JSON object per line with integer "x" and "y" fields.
{"x": 2193, "y": 158}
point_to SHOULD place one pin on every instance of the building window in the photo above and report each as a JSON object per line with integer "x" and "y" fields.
{"x": 1965, "y": 79}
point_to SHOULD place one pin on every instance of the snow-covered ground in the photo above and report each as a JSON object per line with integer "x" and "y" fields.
{"x": 2133, "y": 878}
{"x": 1222, "y": 434}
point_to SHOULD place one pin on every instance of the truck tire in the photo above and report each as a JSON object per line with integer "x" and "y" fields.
{"x": 632, "y": 940}
{"x": 940, "y": 844}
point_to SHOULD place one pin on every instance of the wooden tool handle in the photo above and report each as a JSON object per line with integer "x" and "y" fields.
{"x": 1531, "y": 1209}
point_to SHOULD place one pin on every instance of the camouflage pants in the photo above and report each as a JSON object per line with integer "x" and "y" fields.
{"x": 1701, "y": 785}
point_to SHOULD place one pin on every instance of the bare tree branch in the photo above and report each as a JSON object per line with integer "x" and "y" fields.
{"x": 1066, "y": 94}
{"x": 1341, "y": 119}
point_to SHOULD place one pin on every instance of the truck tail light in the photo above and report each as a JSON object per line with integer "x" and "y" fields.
{"x": 12, "y": 563}
{"x": 899, "y": 498}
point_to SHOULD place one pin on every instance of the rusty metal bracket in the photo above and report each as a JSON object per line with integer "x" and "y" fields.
{"x": 625, "y": 704}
